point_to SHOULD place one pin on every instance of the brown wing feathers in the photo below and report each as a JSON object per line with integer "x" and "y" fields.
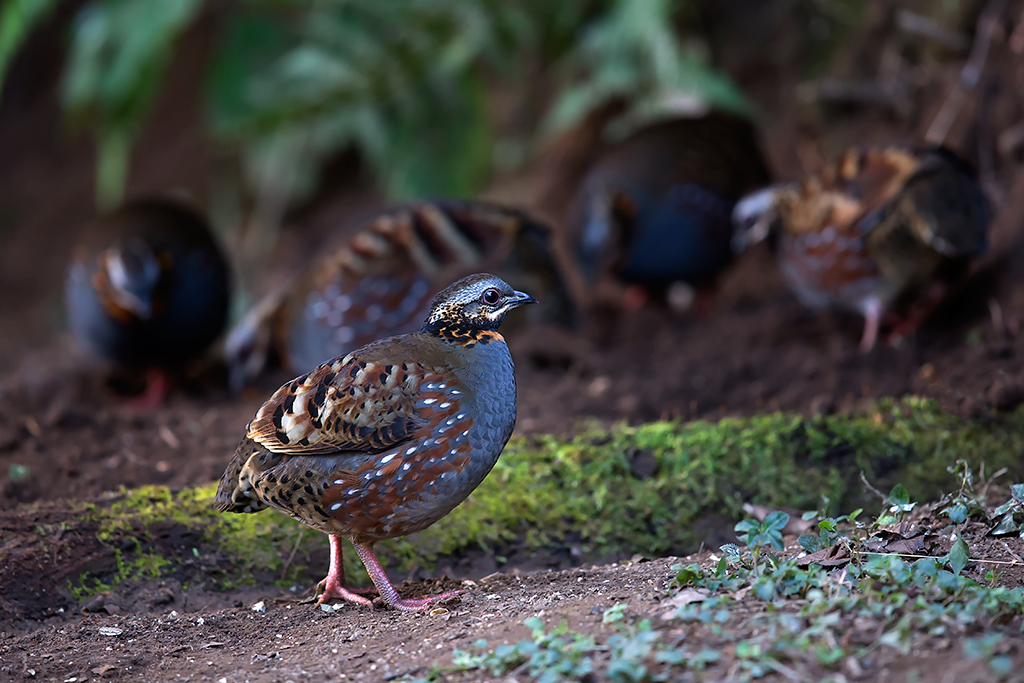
{"x": 347, "y": 405}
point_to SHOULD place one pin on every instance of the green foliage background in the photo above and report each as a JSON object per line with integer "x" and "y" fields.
{"x": 412, "y": 84}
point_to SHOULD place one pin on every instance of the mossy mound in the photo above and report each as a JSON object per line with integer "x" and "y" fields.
{"x": 615, "y": 492}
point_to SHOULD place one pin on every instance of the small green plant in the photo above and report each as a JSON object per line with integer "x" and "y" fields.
{"x": 986, "y": 649}
{"x": 1010, "y": 514}
{"x": 898, "y": 505}
{"x": 764, "y": 534}
{"x": 968, "y": 501}
{"x": 828, "y": 527}
{"x": 556, "y": 657}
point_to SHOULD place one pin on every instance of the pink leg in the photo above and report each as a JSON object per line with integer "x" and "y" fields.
{"x": 704, "y": 302}
{"x": 872, "y": 319}
{"x": 635, "y": 297}
{"x": 334, "y": 585}
{"x": 158, "y": 386}
{"x": 387, "y": 591}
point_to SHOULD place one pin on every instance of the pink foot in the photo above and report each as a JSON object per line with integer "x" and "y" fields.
{"x": 334, "y": 590}
{"x": 704, "y": 302}
{"x": 387, "y": 591}
{"x": 333, "y": 586}
{"x": 158, "y": 386}
{"x": 417, "y": 604}
{"x": 872, "y": 320}
{"x": 635, "y": 297}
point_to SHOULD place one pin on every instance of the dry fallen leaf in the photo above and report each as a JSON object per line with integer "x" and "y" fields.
{"x": 833, "y": 556}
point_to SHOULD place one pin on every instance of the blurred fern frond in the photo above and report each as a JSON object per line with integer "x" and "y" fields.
{"x": 633, "y": 52}
{"x": 411, "y": 84}
{"x": 119, "y": 52}
{"x": 399, "y": 79}
{"x": 17, "y": 19}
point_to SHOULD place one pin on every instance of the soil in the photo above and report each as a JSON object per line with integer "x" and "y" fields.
{"x": 757, "y": 350}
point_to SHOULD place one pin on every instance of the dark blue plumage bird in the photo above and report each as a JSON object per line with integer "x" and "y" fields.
{"x": 148, "y": 287}
{"x": 656, "y": 208}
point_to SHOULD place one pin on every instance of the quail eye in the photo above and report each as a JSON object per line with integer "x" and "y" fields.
{"x": 491, "y": 296}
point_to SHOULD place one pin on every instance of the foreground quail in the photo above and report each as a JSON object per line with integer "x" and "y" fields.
{"x": 388, "y": 439}
{"x": 381, "y": 280}
{"x": 656, "y": 208}
{"x": 148, "y": 286}
{"x": 881, "y": 228}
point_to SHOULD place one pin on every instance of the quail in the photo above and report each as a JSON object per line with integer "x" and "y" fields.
{"x": 380, "y": 282}
{"x": 655, "y": 209}
{"x": 148, "y": 287}
{"x": 388, "y": 439}
{"x": 881, "y": 230}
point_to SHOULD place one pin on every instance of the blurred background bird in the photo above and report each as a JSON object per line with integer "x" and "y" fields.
{"x": 654, "y": 209}
{"x": 148, "y": 289}
{"x": 882, "y": 230}
{"x": 380, "y": 282}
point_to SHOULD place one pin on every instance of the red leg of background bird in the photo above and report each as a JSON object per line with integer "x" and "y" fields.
{"x": 872, "y": 320}
{"x": 334, "y": 585}
{"x": 387, "y": 591}
{"x": 703, "y": 302}
{"x": 635, "y": 297}
{"x": 158, "y": 386}
{"x": 918, "y": 314}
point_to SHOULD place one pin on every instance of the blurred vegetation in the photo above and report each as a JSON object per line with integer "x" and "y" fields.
{"x": 432, "y": 93}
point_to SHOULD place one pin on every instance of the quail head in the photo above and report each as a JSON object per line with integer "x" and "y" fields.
{"x": 655, "y": 208}
{"x": 388, "y": 439}
{"x": 148, "y": 286}
{"x": 881, "y": 229}
{"x": 380, "y": 281}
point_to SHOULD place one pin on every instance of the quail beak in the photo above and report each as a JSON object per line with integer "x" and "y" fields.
{"x": 520, "y": 299}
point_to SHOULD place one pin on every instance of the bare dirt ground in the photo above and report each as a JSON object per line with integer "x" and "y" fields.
{"x": 758, "y": 350}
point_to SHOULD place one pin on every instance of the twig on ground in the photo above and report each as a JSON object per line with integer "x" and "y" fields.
{"x": 918, "y": 24}
{"x": 295, "y": 549}
{"x": 871, "y": 488}
{"x": 922, "y": 557}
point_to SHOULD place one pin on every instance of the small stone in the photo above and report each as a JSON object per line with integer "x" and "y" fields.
{"x": 96, "y": 603}
{"x": 258, "y": 606}
{"x": 162, "y": 596}
{"x": 438, "y": 611}
{"x": 110, "y": 631}
{"x": 105, "y": 670}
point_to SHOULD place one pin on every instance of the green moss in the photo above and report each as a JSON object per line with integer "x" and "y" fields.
{"x": 143, "y": 565}
{"x": 546, "y": 491}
